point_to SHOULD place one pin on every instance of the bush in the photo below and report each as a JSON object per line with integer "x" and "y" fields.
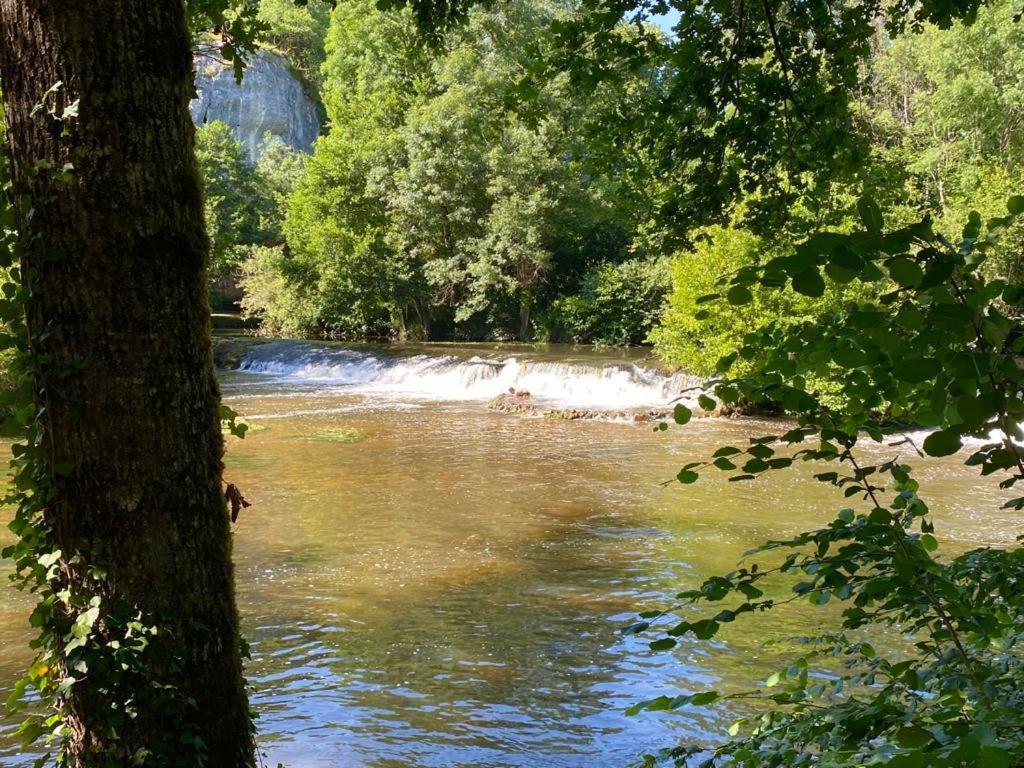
{"x": 616, "y": 304}
{"x": 696, "y": 336}
{"x": 273, "y": 293}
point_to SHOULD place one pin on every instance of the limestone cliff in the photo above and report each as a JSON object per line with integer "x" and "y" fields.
{"x": 270, "y": 99}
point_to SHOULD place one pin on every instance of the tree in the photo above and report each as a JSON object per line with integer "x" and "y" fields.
{"x": 751, "y": 96}
{"x": 233, "y": 203}
{"x": 127, "y": 529}
{"x": 431, "y": 208}
{"x": 946, "y": 106}
{"x": 336, "y": 226}
{"x": 298, "y": 31}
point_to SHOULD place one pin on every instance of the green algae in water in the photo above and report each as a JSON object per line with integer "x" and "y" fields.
{"x": 246, "y": 461}
{"x": 338, "y": 435}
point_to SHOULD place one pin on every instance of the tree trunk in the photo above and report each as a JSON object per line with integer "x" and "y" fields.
{"x": 118, "y": 311}
{"x": 525, "y": 306}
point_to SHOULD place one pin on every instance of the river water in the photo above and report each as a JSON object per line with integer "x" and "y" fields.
{"x": 426, "y": 582}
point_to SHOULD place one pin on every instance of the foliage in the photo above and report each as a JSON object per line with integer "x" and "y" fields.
{"x": 696, "y": 344}
{"x": 430, "y": 209}
{"x": 616, "y": 303}
{"x": 695, "y": 335}
{"x": 232, "y": 198}
{"x": 244, "y": 205}
{"x": 233, "y": 23}
{"x": 946, "y": 105}
{"x": 936, "y": 345}
{"x": 298, "y": 31}
{"x": 277, "y": 172}
{"x": 751, "y": 96}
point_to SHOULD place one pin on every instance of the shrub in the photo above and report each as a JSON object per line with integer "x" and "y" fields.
{"x": 616, "y": 304}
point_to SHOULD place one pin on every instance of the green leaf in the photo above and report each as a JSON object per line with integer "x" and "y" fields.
{"x": 905, "y": 272}
{"x": 809, "y": 283}
{"x": 705, "y": 629}
{"x": 687, "y": 476}
{"x": 942, "y": 443}
{"x": 681, "y": 414}
{"x": 704, "y": 698}
{"x": 916, "y": 369}
{"x": 870, "y": 214}
{"x": 849, "y": 357}
{"x": 1015, "y": 205}
{"x": 663, "y": 644}
{"x": 993, "y": 756}
{"x": 739, "y": 295}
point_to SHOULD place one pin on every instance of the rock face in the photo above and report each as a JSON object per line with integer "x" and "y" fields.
{"x": 270, "y": 99}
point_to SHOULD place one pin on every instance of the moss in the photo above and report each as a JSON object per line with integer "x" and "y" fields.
{"x": 338, "y": 435}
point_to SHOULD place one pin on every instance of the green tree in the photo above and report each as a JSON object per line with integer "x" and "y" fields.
{"x": 298, "y": 31}
{"x": 278, "y": 172}
{"x": 615, "y": 303}
{"x": 946, "y": 106}
{"x": 233, "y": 201}
{"x": 431, "y": 207}
{"x": 336, "y": 224}
{"x": 440, "y": 195}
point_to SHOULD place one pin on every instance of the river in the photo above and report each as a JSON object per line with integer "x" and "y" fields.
{"x": 426, "y": 582}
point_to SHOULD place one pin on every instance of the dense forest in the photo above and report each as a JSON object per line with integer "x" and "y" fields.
{"x": 459, "y": 194}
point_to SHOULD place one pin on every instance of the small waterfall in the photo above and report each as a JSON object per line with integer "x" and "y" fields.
{"x": 607, "y": 386}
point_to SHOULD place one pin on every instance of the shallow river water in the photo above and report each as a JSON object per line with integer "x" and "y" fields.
{"x": 425, "y": 582}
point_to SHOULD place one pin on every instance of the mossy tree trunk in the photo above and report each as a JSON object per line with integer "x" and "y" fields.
{"x": 119, "y": 321}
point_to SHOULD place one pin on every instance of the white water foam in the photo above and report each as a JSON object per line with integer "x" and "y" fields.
{"x": 446, "y": 377}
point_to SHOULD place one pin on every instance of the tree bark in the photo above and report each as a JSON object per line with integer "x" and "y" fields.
{"x": 118, "y": 311}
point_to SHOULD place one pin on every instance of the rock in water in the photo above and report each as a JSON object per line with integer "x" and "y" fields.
{"x": 270, "y": 99}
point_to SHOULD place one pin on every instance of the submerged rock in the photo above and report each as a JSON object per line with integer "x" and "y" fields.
{"x": 518, "y": 402}
{"x": 270, "y": 99}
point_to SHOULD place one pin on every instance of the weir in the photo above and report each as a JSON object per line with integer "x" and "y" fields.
{"x": 472, "y": 375}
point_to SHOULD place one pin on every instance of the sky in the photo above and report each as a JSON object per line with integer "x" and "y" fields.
{"x": 667, "y": 21}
